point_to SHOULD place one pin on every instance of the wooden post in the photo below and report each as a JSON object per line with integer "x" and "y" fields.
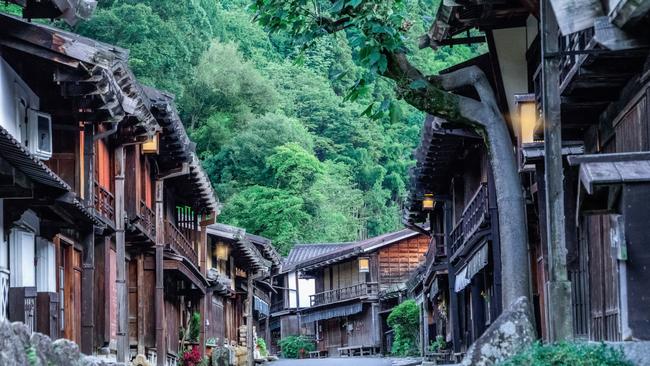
{"x": 453, "y": 298}
{"x": 120, "y": 260}
{"x": 88, "y": 241}
{"x": 558, "y": 285}
{"x": 160, "y": 290}
{"x": 249, "y": 320}
{"x": 205, "y": 302}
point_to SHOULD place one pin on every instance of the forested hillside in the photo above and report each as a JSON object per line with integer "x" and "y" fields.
{"x": 292, "y": 154}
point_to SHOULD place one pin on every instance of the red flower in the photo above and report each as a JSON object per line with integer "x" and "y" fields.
{"x": 192, "y": 357}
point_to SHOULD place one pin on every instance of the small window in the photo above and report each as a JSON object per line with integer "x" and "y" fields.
{"x": 41, "y": 134}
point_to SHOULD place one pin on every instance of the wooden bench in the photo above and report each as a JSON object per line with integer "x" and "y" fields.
{"x": 352, "y": 351}
{"x": 318, "y": 354}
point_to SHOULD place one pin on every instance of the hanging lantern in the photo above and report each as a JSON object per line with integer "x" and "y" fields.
{"x": 222, "y": 251}
{"x": 364, "y": 265}
{"x": 428, "y": 203}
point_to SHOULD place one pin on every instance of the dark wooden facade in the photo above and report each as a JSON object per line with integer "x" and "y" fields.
{"x": 603, "y": 87}
{"x": 102, "y": 194}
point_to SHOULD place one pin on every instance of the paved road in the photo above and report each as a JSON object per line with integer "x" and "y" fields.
{"x": 335, "y": 362}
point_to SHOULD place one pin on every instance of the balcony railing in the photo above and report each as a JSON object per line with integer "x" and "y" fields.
{"x": 147, "y": 219}
{"x": 345, "y": 293}
{"x": 104, "y": 202}
{"x": 570, "y": 44}
{"x": 277, "y": 306}
{"x": 475, "y": 217}
{"x": 179, "y": 243}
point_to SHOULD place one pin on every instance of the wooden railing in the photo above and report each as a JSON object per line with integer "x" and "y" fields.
{"x": 104, "y": 202}
{"x": 147, "y": 219}
{"x": 179, "y": 243}
{"x": 344, "y": 293}
{"x": 277, "y": 306}
{"x": 475, "y": 216}
{"x": 578, "y": 41}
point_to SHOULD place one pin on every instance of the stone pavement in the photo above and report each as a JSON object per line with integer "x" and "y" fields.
{"x": 349, "y": 361}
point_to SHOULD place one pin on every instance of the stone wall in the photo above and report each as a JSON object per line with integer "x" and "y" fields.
{"x": 19, "y": 347}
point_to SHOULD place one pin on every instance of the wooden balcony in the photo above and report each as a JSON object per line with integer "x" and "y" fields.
{"x": 176, "y": 241}
{"x": 147, "y": 220}
{"x": 475, "y": 217}
{"x": 104, "y": 203}
{"x": 367, "y": 289}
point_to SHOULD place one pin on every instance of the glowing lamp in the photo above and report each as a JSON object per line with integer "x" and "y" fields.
{"x": 428, "y": 203}
{"x": 151, "y": 146}
{"x": 364, "y": 265}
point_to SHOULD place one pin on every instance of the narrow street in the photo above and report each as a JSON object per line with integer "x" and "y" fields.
{"x": 375, "y": 361}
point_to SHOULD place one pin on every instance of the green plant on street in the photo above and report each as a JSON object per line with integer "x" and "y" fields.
{"x": 296, "y": 346}
{"x": 569, "y": 354}
{"x": 405, "y": 321}
{"x": 261, "y": 344}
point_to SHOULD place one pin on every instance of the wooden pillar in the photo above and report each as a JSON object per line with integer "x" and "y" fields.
{"x": 88, "y": 242}
{"x": 140, "y": 291}
{"x": 120, "y": 260}
{"x": 206, "y": 301}
{"x": 249, "y": 320}
{"x": 160, "y": 290}
{"x": 267, "y": 329}
{"x": 453, "y": 298}
{"x": 558, "y": 285}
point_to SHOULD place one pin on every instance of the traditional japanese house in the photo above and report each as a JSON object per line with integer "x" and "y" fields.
{"x": 168, "y": 202}
{"x": 595, "y": 89}
{"x": 345, "y": 310}
{"x": 64, "y": 99}
{"x": 460, "y": 282}
{"x": 240, "y": 268}
{"x": 293, "y": 292}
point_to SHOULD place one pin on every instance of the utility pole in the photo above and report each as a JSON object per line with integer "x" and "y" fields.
{"x": 558, "y": 287}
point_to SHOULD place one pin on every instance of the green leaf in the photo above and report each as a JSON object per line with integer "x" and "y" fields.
{"x": 368, "y": 111}
{"x": 338, "y": 6}
{"x": 418, "y": 84}
{"x": 354, "y": 3}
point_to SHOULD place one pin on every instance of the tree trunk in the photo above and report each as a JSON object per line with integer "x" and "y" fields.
{"x": 432, "y": 95}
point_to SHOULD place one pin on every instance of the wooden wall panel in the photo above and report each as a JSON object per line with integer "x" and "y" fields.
{"x": 397, "y": 261}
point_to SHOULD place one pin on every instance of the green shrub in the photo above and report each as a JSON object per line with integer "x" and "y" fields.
{"x": 291, "y": 346}
{"x": 405, "y": 321}
{"x": 569, "y": 354}
{"x": 261, "y": 343}
{"x": 195, "y": 327}
{"x": 437, "y": 345}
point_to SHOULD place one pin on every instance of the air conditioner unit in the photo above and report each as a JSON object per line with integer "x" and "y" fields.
{"x": 40, "y": 134}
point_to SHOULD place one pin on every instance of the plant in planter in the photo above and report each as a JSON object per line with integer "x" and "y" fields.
{"x": 195, "y": 327}
{"x": 192, "y": 357}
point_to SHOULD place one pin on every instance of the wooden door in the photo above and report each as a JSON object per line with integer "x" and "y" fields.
{"x": 69, "y": 288}
{"x": 603, "y": 282}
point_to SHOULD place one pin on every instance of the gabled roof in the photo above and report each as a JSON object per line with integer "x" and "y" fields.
{"x": 303, "y": 252}
{"x": 71, "y": 11}
{"x": 340, "y": 252}
{"x": 88, "y": 68}
{"x": 245, "y": 245}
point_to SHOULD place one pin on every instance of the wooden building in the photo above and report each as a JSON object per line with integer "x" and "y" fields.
{"x": 344, "y": 312}
{"x": 240, "y": 269}
{"x": 602, "y": 89}
{"x": 104, "y": 202}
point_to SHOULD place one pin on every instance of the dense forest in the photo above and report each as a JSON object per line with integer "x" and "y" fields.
{"x": 293, "y": 154}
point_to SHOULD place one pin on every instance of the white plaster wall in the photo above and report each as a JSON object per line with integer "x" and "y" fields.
{"x": 306, "y": 287}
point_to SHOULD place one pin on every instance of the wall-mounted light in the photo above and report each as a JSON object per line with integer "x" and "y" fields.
{"x": 151, "y": 146}
{"x": 428, "y": 202}
{"x": 364, "y": 265}
{"x": 528, "y": 113}
{"x": 222, "y": 251}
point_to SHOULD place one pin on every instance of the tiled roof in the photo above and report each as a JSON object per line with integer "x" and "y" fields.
{"x": 306, "y": 256}
{"x": 303, "y": 252}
